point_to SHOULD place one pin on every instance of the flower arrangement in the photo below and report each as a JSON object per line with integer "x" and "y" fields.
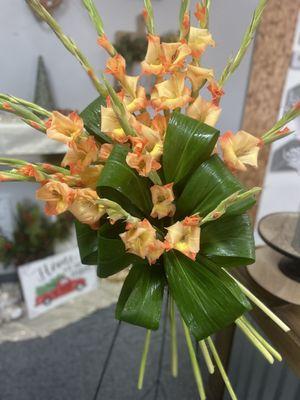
{"x": 152, "y": 184}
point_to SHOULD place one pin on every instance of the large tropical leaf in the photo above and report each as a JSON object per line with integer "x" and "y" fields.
{"x": 120, "y": 183}
{"x": 91, "y": 116}
{"x": 187, "y": 144}
{"x": 229, "y": 241}
{"x": 211, "y": 183}
{"x": 207, "y": 298}
{"x": 112, "y": 255}
{"x": 87, "y": 243}
{"x": 140, "y": 300}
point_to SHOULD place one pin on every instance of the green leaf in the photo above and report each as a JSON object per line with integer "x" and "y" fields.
{"x": 120, "y": 183}
{"x": 140, "y": 300}
{"x": 91, "y": 116}
{"x": 229, "y": 241}
{"x": 187, "y": 144}
{"x": 87, "y": 243}
{"x": 112, "y": 255}
{"x": 207, "y": 298}
{"x": 211, "y": 183}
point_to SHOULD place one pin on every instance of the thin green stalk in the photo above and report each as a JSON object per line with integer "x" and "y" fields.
{"x": 195, "y": 365}
{"x": 32, "y": 106}
{"x": 12, "y": 161}
{"x": 263, "y": 341}
{"x": 184, "y": 9}
{"x": 233, "y": 63}
{"x": 260, "y": 305}
{"x": 221, "y": 368}
{"x": 174, "y": 344}
{"x": 275, "y": 132}
{"x": 253, "y": 339}
{"x": 12, "y": 176}
{"x": 150, "y": 17}
{"x": 69, "y": 44}
{"x": 144, "y": 360}
{"x": 206, "y": 356}
{"x": 97, "y": 20}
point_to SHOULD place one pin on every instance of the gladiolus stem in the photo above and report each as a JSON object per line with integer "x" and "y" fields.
{"x": 174, "y": 345}
{"x": 31, "y": 106}
{"x": 221, "y": 368}
{"x": 253, "y": 339}
{"x": 155, "y": 178}
{"x": 69, "y": 44}
{"x": 261, "y": 305}
{"x": 12, "y": 176}
{"x": 150, "y": 17}
{"x": 263, "y": 341}
{"x": 194, "y": 362}
{"x": 206, "y": 356}
{"x": 233, "y": 63}
{"x": 184, "y": 10}
{"x": 144, "y": 360}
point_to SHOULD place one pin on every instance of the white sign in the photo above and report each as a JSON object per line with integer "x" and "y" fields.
{"x": 52, "y": 281}
{"x": 6, "y": 215}
{"x": 281, "y": 191}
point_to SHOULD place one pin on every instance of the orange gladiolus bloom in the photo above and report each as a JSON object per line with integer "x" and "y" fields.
{"x": 58, "y": 197}
{"x": 140, "y": 239}
{"x": 240, "y": 149}
{"x": 85, "y": 207}
{"x": 111, "y": 125}
{"x": 81, "y": 154}
{"x": 174, "y": 55}
{"x": 198, "y": 76}
{"x": 184, "y": 236}
{"x": 32, "y": 171}
{"x": 204, "y": 111}
{"x": 105, "y": 151}
{"x": 153, "y": 60}
{"x": 162, "y": 198}
{"x": 140, "y": 159}
{"x": 171, "y": 93}
{"x": 90, "y": 176}
{"x": 199, "y": 39}
{"x": 64, "y": 129}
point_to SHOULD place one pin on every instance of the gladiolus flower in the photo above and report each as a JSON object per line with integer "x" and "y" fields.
{"x": 153, "y": 60}
{"x": 184, "y": 236}
{"x": 85, "y": 207}
{"x": 186, "y": 25}
{"x": 111, "y": 125}
{"x": 64, "y": 129}
{"x": 140, "y": 239}
{"x": 239, "y": 149}
{"x": 32, "y": 171}
{"x": 81, "y": 154}
{"x": 171, "y": 93}
{"x": 140, "y": 159}
{"x": 198, "y": 76}
{"x": 174, "y": 55}
{"x": 90, "y": 176}
{"x": 216, "y": 92}
{"x": 159, "y": 124}
{"x": 105, "y": 151}
{"x": 204, "y": 111}
{"x": 105, "y": 44}
{"x": 58, "y": 197}
{"x": 199, "y": 39}
{"x": 162, "y": 198}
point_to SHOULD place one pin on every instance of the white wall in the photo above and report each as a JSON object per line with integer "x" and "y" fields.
{"x": 23, "y": 38}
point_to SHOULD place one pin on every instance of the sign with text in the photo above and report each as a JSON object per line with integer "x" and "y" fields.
{"x": 52, "y": 281}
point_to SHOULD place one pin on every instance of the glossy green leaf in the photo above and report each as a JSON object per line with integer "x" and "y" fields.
{"x": 87, "y": 243}
{"x": 141, "y": 298}
{"x": 91, "y": 116}
{"x": 211, "y": 183}
{"x": 120, "y": 183}
{"x": 112, "y": 255}
{"x": 207, "y": 298}
{"x": 187, "y": 144}
{"x": 229, "y": 241}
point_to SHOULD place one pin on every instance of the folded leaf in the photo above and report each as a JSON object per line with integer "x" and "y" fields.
{"x": 87, "y": 243}
{"x": 112, "y": 255}
{"x": 187, "y": 144}
{"x": 207, "y": 300}
{"x": 229, "y": 241}
{"x": 141, "y": 297}
{"x": 211, "y": 183}
{"x": 120, "y": 183}
{"x": 91, "y": 116}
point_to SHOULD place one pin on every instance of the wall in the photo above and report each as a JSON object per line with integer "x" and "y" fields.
{"x": 23, "y": 38}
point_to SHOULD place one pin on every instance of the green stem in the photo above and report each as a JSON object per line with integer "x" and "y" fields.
{"x": 155, "y": 178}
{"x": 221, "y": 368}
{"x": 263, "y": 341}
{"x": 144, "y": 360}
{"x": 253, "y": 339}
{"x": 194, "y": 362}
{"x": 32, "y": 106}
{"x": 206, "y": 356}
{"x": 174, "y": 344}
{"x": 261, "y": 305}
